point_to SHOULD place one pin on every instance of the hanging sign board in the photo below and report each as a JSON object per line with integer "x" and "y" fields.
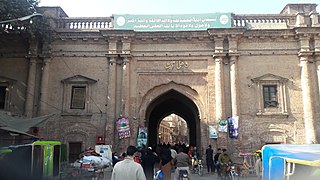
{"x": 123, "y": 128}
{"x": 213, "y": 132}
{"x": 142, "y": 136}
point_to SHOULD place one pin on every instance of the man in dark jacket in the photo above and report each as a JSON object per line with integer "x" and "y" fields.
{"x": 147, "y": 162}
{"x": 209, "y": 158}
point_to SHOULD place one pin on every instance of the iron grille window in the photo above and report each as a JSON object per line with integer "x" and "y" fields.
{"x": 78, "y": 97}
{"x": 270, "y": 96}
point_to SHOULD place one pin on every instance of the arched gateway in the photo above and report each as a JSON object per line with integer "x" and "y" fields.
{"x": 167, "y": 99}
{"x": 164, "y": 100}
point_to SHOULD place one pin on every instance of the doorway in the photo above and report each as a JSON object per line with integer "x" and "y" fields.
{"x": 74, "y": 151}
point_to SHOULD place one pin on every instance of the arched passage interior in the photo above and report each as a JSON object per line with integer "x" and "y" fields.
{"x": 173, "y": 102}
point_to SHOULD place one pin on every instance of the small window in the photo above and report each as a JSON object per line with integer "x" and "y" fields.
{"x": 270, "y": 96}
{"x": 78, "y": 97}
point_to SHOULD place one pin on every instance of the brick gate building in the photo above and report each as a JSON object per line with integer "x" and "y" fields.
{"x": 264, "y": 69}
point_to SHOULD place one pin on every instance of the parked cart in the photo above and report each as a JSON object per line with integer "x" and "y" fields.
{"x": 246, "y": 168}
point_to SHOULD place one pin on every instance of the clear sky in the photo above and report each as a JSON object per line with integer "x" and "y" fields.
{"x": 103, "y": 8}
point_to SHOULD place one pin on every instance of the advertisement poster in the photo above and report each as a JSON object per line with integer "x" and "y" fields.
{"x": 213, "y": 132}
{"x": 123, "y": 128}
{"x": 233, "y": 125}
{"x": 223, "y": 125}
{"x": 142, "y": 136}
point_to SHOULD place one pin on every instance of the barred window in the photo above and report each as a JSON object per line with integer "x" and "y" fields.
{"x": 270, "y": 96}
{"x": 78, "y": 97}
{"x": 271, "y": 91}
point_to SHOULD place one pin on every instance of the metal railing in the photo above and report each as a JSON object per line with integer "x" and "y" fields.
{"x": 84, "y": 23}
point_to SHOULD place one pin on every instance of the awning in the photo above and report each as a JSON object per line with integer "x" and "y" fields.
{"x": 21, "y": 124}
{"x": 18, "y": 132}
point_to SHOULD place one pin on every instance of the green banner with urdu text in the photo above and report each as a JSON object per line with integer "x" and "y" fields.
{"x": 177, "y": 22}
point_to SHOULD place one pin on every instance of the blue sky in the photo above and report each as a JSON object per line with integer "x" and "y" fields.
{"x": 103, "y": 8}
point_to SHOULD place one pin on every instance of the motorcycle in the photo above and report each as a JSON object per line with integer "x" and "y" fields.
{"x": 183, "y": 174}
{"x": 231, "y": 172}
{"x": 197, "y": 166}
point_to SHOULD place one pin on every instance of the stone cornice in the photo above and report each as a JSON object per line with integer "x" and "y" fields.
{"x": 233, "y": 32}
{"x": 272, "y": 33}
{"x": 305, "y": 54}
{"x": 307, "y": 30}
{"x": 118, "y": 55}
{"x": 219, "y": 54}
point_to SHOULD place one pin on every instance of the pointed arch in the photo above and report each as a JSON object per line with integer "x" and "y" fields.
{"x": 169, "y": 98}
{"x": 156, "y": 91}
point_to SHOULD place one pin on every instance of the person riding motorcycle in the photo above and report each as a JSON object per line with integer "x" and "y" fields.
{"x": 224, "y": 160}
{"x": 182, "y": 162}
{"x": 195, "y": 158}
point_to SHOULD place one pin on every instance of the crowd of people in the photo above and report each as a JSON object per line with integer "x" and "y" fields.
{"x": 139, "y": 164}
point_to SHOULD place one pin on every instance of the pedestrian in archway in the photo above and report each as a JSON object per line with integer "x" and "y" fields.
{"x": 147, "y": 162}
{"x": 166, "y": 163}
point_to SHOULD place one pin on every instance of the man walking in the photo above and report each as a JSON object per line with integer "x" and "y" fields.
{"x": 128, "y": 169}
{"x": 209, "y": 158}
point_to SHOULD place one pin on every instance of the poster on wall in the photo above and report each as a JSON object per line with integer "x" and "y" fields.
{"x": 213, "y": 132}
{"x": 223, "y": 125}
{"x": 123, "y": 128}
{"x": 142, "y": 136}
{"x": 233, "y": 125}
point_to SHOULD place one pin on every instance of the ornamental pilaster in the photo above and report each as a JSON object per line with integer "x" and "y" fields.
{"x": 307, "y": 97}
{"x": 234, "y": 84}
{"x": 304, "y": 40}
{"x": 300, "y": 20}
{"x": 29, "y": 104}
{"x": 314, "y": 17}
{"x": 219, "y": 92}
{"x": 43, "y": 110}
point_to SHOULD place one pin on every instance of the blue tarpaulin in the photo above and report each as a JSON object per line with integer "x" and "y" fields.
{"x": 275, "y": 156}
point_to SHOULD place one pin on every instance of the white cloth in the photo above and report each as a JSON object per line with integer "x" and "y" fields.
{"x": 96, "y": 160}
{"x": 173, "y": 153}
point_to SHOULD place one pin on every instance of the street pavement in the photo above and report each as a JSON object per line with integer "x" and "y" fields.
{"x": 206, "y": 176}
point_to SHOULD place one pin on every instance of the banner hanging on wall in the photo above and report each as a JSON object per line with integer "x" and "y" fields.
{"x": 233, "y": 125}
{"x": 223, "y": 125}
{"x": 142, "y": 136}
{"x": 213, "y": 132}
{"x": 123, "y": 128}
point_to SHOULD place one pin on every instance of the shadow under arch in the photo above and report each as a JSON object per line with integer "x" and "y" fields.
{"x": 175, "y": 102}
